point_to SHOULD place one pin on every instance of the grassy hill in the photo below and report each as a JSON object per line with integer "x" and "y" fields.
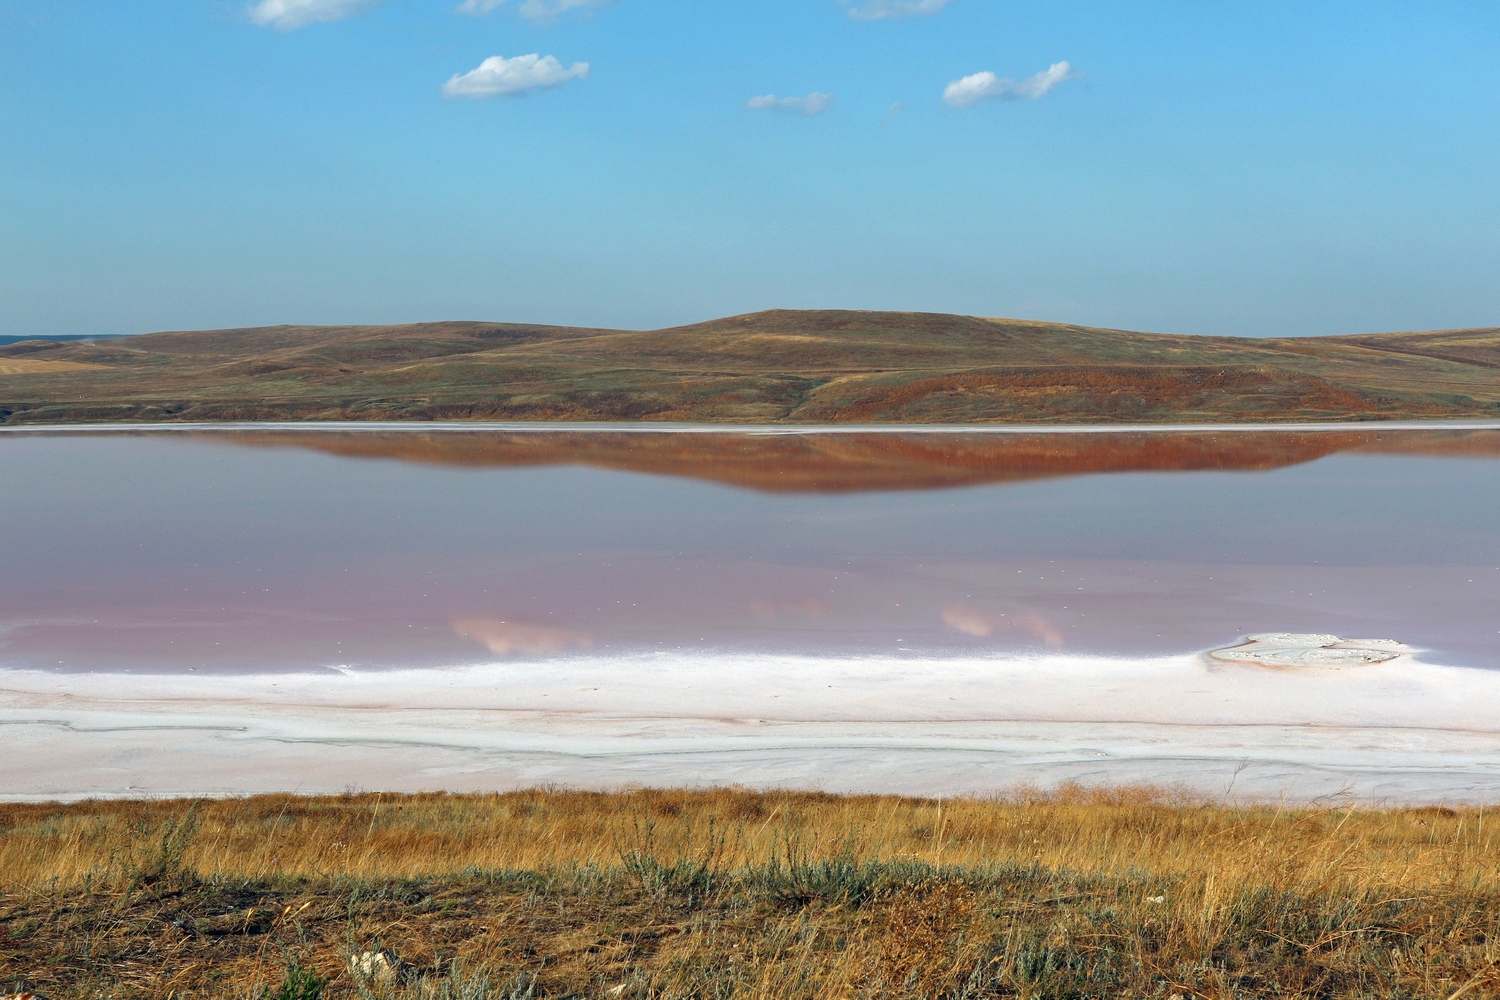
{"x": 779, "y": 366}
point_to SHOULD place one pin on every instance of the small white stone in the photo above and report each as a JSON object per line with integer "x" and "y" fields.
{"x": 374, "y": 966}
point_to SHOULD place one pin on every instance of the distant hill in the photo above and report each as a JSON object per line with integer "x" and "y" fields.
{"x": 780, "y": 366}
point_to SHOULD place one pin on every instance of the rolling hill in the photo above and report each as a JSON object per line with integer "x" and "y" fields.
{"x": 779, "y": 366}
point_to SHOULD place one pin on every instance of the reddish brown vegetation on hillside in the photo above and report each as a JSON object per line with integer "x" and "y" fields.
{"x": 1116, "y": 391}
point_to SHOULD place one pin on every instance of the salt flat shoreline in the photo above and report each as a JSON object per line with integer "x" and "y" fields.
{"x": 1407, "y": 733}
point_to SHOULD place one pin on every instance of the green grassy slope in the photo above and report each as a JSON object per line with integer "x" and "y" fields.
{"x": 775, "y": 366}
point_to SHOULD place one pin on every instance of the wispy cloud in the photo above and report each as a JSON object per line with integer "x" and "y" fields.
{"x": 498, "y": 76}
{"x": 540, "y": 10}
{"x": 287, "y": 15}
{"x": 879, "y": 10}
{"x": 987, "y": 86}
{"x": 813, "y": 104}
{"x": 535, "y": 10}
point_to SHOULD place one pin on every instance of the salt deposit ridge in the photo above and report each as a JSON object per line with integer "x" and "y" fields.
{"x": 1400, "y": 731}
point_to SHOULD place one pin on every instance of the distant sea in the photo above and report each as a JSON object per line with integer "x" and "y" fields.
{"x": 16, "y": 339}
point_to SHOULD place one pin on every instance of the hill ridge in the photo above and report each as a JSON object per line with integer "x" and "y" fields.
{"x": 769, "y": 366}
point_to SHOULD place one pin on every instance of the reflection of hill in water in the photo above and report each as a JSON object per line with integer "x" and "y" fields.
{"x": 850, "y": 462}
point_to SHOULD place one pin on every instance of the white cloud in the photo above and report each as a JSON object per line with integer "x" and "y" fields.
{"x": 291, "y": 14}
{"x": 535, "y": 10}
{"x": 498, "y": 76}
{"x": 986, "y": 86}
{"x": 541, "y": 10}
{"x": 813, "y": 104}
{"x": 879, "y": 10}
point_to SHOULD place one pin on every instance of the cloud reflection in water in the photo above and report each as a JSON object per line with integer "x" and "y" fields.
{"x": 504, "y": 637}
{"x": 972, "y": 621}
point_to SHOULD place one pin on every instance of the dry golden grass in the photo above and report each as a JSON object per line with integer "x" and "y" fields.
{"x": 738, "y": 894}
{"x": 424, "y": 836}
{"x": 32, "y": 366}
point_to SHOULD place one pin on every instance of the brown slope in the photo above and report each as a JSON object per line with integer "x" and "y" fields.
{"x": 1465, "y": 347}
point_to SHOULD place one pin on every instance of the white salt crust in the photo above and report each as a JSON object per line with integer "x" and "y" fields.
{"x": 1304, "y": 650}
{"x": 1396, "y": 731}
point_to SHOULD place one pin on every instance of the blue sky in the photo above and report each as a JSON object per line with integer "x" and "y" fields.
{"x": 1250, "y": 168}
